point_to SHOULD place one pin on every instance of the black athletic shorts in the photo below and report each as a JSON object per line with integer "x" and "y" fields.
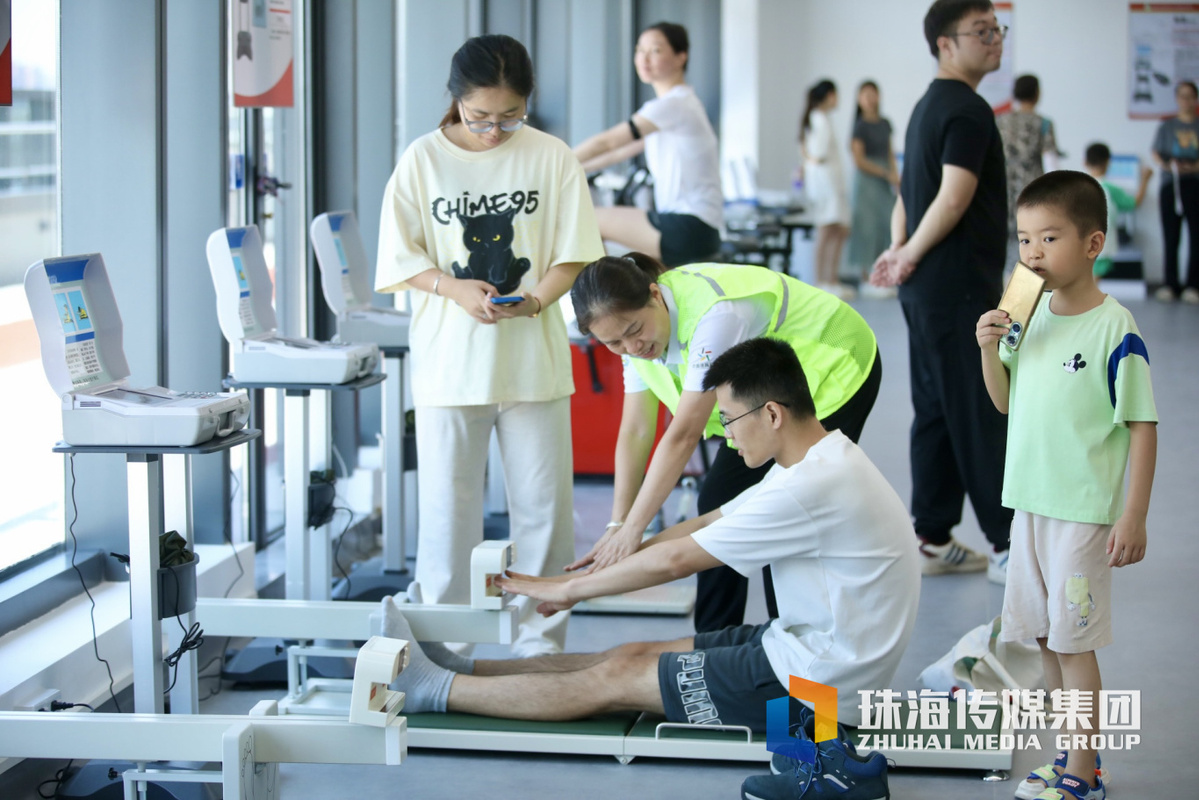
{"x": 725, "y": 680}
{"x": 686, "y": 239}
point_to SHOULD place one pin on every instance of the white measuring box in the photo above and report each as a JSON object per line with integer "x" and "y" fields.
{"x": 80, "y": 330}
{"x": 247, "y": 316}
{"x": 345, "y": 274}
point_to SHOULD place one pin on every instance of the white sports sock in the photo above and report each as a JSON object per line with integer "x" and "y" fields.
{"x": 426, "y": 685}
{"x": 443, "y": 656}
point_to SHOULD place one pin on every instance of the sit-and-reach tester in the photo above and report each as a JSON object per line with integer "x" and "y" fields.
{"x": 83, "y": 354}
{"x": 346, "y": 281}
{"x": 247, "y": 317}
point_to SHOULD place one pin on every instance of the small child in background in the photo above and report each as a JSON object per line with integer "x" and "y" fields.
{"x": 1096, "y": 161}
{"x": 1080, "y": 410}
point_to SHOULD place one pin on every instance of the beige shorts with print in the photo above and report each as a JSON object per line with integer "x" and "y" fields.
{"x": 1059, "y": 585}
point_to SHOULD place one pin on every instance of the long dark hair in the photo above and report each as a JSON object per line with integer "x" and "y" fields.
{"x": 816, "y": 96}
{"x": 613, "y": 285}
{"x": 861, "y": 86}
{"x": 488, "y": 62}
{"x": 676, "y": 37}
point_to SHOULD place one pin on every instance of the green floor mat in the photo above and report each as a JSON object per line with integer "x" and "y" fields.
{"x": 647, "y": 726}
{"x": 615, "y": 725}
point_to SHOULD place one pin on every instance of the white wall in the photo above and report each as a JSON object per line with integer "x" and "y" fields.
{"x": 1078, "y": 48}
{"x": 740, "y": 107}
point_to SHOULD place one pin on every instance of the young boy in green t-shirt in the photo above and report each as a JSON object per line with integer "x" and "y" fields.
{"x": 1096, "y": 161}
{"x": 1080, "y": 408}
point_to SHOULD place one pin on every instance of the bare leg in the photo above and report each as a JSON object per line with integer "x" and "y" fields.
{"x": 572, "y": 662}
{"x": 1081, "y": 671}
{"x": 1053, "y": 680}
{"x": 823, "y": 235}
{"x": 630, "y": 227}
{"x": 619, "y": 683}
{"x": 1053, "y": 669}
{"x": 834, "y": 256}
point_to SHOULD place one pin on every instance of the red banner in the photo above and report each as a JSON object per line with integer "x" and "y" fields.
{"x": 262, "y": 52}
{"x": 5, "y": 53}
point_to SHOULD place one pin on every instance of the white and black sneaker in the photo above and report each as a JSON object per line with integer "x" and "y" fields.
{"x": 951, "y": 557}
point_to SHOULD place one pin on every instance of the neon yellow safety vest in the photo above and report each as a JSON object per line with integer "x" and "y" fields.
{"x": 835, "y": 345}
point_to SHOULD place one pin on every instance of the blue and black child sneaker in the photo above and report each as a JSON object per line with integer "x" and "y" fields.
{"x": 1070, "y": 787}
{"x": 836, "y": 772}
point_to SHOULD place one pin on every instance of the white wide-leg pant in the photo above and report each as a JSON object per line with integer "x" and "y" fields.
{"x": 535, "y": 449}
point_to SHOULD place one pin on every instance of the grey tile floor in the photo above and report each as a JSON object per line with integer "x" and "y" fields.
{"x": 1155, "y": 648}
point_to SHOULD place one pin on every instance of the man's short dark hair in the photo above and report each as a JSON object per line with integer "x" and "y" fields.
{"x": 1075, "y": 194}
{"x": 762, "y": 370}
{"x": 1027, "y": 89}
{"x": 944, "y": 15}
{"x": 1098, "y": 155}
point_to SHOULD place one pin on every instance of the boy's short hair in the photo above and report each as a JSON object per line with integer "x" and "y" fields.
{"x": 1097, "y": 155}
{"x": 761, "y": 370}
{"x": 1027, "y": 89}
{"x": 944, "y": 15}
{"x": 1075, "y": 194}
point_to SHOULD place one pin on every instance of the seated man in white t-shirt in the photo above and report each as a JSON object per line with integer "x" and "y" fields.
{"x": 825, "y": 520}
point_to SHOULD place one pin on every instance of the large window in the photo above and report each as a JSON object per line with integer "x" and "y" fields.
{"x": 31, "y": 515}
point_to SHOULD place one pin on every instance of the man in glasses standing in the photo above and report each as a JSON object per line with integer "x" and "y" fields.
{"x": 947, "y": 257}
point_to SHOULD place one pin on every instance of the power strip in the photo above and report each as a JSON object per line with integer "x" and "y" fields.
{"x": 41, "y": 700}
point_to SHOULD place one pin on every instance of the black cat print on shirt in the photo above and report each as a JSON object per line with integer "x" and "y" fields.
{"x": 488, "y": 237}
{"x": 488, "y": 231}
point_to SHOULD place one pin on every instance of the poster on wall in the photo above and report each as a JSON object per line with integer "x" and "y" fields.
{"x": 5, "y": 53}
{"x": 1163, "y": 49}
{"x": 996, "y": 87}
{"x": 262, "y": 52}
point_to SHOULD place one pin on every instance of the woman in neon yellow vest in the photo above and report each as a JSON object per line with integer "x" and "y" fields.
{"x": 668, "y": 326}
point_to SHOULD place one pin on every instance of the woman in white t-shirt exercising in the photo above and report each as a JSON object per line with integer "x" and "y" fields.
{"x": 680, "y": 150}
{"x": 486, "y": 222}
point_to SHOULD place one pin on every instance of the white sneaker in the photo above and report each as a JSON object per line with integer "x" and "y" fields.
{"x": 839, "y": 290}
{"x": 1190, "y": 295}
{"x": 867, "y": 289}
{"x": 1164, "y": 294}
{"x": 997, "y": 568}
{"x": 942, "y": 559}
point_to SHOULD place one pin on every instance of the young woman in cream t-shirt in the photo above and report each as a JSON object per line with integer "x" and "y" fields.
{"x": 480, "y": 209}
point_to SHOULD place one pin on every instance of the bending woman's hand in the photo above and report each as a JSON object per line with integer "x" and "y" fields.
{"x": 474, "y": 297}
{"x": 614, "y": 545}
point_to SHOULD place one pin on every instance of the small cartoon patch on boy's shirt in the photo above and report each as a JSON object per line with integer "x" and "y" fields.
{"x": 1074, "y": 364}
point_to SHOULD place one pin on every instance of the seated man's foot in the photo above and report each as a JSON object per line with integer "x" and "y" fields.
{"x": 835, "y": 772}
{"x": 426, "y": 686}
{"x": 951, "y": 557}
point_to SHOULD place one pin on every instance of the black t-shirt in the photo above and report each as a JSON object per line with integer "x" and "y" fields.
{"x": 953, "y": 125}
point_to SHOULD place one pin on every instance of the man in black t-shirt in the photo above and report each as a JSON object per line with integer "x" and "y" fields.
{"x": 948, "y": 235}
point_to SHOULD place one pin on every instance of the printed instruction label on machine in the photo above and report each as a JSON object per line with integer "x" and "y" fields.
{"x": 245, "y": 311}
{"x": 82, "y": 359}
{"x": 347, "y": 288}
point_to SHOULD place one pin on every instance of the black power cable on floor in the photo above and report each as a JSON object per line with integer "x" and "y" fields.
{"x": 337, "y": 548}
{"x": 193, "y": 637}
{"x": 228, "y": 534}
{"x": 59, "y": 776}
{"x": 83, "y": 582}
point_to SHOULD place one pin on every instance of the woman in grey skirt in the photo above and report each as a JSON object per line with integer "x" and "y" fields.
{"x": 874, "y": 185}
